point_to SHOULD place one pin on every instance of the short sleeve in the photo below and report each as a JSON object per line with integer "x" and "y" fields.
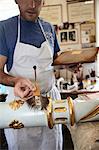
{"x": 56, "y": 44}
{"x": 3, "y": 46}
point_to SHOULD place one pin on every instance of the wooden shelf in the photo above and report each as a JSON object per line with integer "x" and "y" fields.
{"x": 76, "y": 56}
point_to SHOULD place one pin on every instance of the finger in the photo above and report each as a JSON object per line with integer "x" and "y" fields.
{"x": 19, "y": 91}
{"x": 30, "y": 84}
{"x": 30, "y": 94}
{"x": 26, "y": 92}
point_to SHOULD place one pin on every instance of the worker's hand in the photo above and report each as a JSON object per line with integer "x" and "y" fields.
{"x": 24, "y": 88}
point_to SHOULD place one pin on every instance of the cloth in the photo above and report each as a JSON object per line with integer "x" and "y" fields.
{"x": 85, "y": 136}
{"x": 30, "y": 34}
{"x": 38, "y": 138}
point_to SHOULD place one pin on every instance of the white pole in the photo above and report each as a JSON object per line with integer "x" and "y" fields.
{"x": 18, "y": 114}
{"x": 97, "y": 21}
{"x": 97, "y": 34}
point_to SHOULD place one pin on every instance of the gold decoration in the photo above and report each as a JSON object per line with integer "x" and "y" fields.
{"x": 62, "y": 120}
{"x": 91, "y": 114}
{"x": 16, "y": 104}
{"x": 16, "y": 125}
{"x": 59, "y": 101}
{"x": 60, "y": 110}
{"x": 71, "y": 110}
{"x": 49, "y": 114}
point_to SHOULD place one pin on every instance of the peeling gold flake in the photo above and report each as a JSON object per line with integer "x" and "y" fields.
{"x": 16, "y": 104}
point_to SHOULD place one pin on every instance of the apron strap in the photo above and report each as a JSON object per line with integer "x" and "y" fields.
{"x": 42, "y": 29}
{"x": 18, "y": 38}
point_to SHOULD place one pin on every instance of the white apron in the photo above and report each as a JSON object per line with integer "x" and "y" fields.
{"x": 25, "y": 57}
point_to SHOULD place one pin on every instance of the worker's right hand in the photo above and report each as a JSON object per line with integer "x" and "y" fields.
{"x": 24, "y": 88}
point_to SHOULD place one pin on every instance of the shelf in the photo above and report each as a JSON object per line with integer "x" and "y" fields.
{"x": 68, "y": 57}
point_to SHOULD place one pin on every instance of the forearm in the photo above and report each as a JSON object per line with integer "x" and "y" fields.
{"x": 6, "y": 79}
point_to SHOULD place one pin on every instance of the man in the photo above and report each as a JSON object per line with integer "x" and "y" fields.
{"x": 27, "y": 41}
